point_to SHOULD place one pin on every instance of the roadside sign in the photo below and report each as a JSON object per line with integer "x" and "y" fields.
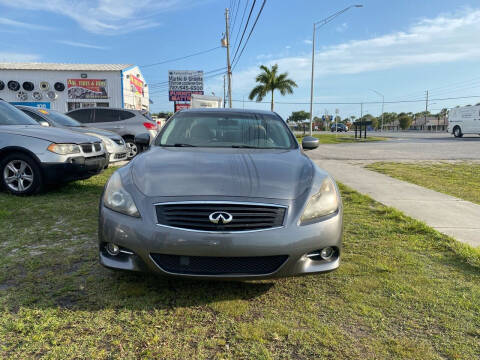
{"x": 183, "y": 83}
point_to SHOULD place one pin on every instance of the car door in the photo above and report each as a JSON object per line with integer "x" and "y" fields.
{"x": 107, "y": 119}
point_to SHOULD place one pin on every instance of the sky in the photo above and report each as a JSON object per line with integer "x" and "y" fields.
{"x": 400, "y": 49}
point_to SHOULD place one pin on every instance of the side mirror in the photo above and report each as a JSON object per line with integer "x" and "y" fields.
{"x": 310, "y": 143}
{"x": 44, "y": 123}
{"x": 143, "y": 139}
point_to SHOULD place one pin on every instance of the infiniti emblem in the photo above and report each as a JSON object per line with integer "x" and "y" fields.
{"x": 220, "y": 217}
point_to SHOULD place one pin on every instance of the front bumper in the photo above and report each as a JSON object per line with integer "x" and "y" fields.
{"x": 75, "y": 168}
{"x": 142, "y": 237}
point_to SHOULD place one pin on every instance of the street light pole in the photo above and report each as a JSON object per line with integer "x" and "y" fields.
{"x": 383, "y": 103}
{"x": 317, "y": 25}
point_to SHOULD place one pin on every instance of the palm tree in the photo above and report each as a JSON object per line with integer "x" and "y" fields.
{"x": 269, "y": 81}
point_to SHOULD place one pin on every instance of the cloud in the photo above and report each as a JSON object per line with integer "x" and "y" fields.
{"x": 18, "y": 24}
{"x": 307, "y": 41}
{"x": 446, "y": 38}
{"x": 80, "y": 44}
{"x": 106, "y": 17}
{"x": 18, "y": 57}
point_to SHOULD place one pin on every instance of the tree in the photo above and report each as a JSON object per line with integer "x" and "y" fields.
{"x": 299, "y": 116}
{"x": 269, "y": 81}
{"x": 404, "y": 120}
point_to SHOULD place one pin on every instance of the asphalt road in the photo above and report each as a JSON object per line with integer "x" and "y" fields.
{"x": 403, "y": 146}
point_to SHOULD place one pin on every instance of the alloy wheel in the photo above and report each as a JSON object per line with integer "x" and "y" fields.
{"x": 132, "y": 149}
{"x": 18, "y": 175}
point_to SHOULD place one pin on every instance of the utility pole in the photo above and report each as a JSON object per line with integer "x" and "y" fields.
{"x": 311, "y": 80}
{"x": 224, "y": 98}
{"x": 426, "y": 108}
{"x": 229, "y": 68}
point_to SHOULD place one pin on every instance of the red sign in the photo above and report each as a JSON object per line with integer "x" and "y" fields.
{"x": 180, "y": 106}
{"x": 137, "y": 83}
{"x": 87, "y": 89}
{"x": 174, "y": 95}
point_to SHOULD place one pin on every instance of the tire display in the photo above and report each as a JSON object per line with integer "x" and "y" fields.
{"x": 2, "y": 85}
{"x": 44, "y": 85}
{"x": 52, "y": 95}
{"x": 22, "y": 95}
{"x": 37, "y": 95}
{"x": 13, "y": 85}
{"x": 59, "y": 86}
{"x": 28, "y": 86}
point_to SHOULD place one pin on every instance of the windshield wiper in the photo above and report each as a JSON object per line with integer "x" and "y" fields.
{"x": 244, "y": 147}
{"x": 179, "y": 145}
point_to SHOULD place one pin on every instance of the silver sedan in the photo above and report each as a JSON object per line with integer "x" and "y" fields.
{"x": 225, "y": 194}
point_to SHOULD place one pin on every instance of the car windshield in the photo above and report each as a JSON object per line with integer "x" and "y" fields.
{"x": 62, "y": 119}
{"x": 10, "y": 115}
{"x": 242, "y": 130}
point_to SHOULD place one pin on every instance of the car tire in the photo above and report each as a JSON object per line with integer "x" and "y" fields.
{"x": 132, "y": 148}
{"x": 457, "y": 132}
{"x": 20, "y": 174}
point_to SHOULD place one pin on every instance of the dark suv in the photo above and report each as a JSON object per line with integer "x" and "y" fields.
{"x": 126, "y": 123}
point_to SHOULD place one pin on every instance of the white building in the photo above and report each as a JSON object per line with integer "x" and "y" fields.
{"x": 64, "y": 87}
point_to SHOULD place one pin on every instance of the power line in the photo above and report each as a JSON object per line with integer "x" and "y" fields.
{"x": 250, "y": 34}
{"x": 244, "y": 30}
{"x": 241, "y": 23}
{"x": 361, "y": 102}
{"x": 235, "y": 16}
{"x": 182, "y": 57}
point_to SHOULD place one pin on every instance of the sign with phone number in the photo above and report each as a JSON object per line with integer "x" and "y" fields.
{"x": 183, "y": 83}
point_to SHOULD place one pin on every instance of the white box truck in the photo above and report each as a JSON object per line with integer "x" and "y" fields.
{"x": 205, "y": 101}
{"x": 464, "y": 120}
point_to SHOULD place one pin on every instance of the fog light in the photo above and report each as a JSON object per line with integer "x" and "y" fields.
{"x": 112, "y": 249}
{"x": 327, "y": 253}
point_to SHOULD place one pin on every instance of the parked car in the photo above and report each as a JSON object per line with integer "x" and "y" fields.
{"x": 126, "y": 123}
{"x": 222, "y": 193}
{"x": 113, "y": 143}
{"x": 32, "y": 156}
{"x": 339, "y": 127}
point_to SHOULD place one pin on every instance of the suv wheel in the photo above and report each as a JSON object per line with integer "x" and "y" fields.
{"x": 20, "y": 174}
{"x": 132, "y": 148}
{"x": 457, "y": 132}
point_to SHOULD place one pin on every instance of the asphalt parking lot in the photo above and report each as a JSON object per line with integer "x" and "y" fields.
{"x": 403, "y": 146}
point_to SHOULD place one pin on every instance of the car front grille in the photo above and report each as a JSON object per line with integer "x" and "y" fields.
{"x": 209, "y": 265}
{"x": 120, "y": 156}
{"x": 244, "y": 216}
{"x": 97, "y": 146}
{"x": 87, "y": 148}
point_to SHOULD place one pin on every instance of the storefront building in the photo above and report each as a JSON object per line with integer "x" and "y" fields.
{"x": 65, "y": 87}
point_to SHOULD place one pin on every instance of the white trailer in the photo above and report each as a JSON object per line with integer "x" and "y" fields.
{"x": 464, "y": 120}
{"x": 205, "y": 101}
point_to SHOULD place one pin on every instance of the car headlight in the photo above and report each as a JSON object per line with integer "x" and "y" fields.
{"x": 64, "y": 149}
{"x": 116, "y": 198}
{"x": 323, "y": 203}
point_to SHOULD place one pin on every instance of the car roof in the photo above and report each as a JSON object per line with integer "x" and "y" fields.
{"x": 229, "y": 110}
{"x": 107, "y": 108}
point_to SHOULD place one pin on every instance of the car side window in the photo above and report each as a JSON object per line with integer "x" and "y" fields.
{"x": 34, "y": 116}
{"x": 106, "y": 115}
{"x": 83, "y": 116}
{"x": 124, "y": 115}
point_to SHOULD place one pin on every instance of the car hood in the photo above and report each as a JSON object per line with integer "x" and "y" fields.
{"x": 90, "y": 130}
{"x": 52, "y": 134}
{"x": 260, "y": 173}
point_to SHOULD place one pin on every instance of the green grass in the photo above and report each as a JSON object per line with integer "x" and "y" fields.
{"x": 403, "y": 291}
{"x": 340, "y": 138}
{"x": 461, "y": 180}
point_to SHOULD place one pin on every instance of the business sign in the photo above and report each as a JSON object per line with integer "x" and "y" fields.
{"x": 137, "y": 84}
{"x": 183, "y": 83}
{"x": 181, "y": 106}
{"x": 42, "y": 105}
{"x": 87, "y": 89}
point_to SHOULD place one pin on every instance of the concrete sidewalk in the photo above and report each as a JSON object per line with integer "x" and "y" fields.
{"x": 447, "y": 214}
